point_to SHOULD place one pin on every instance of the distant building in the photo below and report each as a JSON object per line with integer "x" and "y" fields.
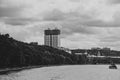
{"x": 79, "y": 52}
{"x": 52, "y": 37}
{"x": 96, "y": 48}
{"x": 65, "y": 49}
{"x": 83, "y": 51}
{"x": 106, "y": 49}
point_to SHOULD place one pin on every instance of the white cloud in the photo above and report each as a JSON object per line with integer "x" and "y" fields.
{"x": 80, "y": 41}
{"x": 95, "y": 9}
{"x": 85, "y": 23}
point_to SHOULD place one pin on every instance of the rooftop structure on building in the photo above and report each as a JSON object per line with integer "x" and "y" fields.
{"x": 52, "y": 37}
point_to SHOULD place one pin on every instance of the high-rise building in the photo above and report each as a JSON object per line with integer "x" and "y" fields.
{"x": 52, "y": 37}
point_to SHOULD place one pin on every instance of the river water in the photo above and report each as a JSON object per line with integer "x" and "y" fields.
{"x": 71, "y": 72}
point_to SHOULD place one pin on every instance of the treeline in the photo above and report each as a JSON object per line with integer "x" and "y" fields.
{"x": 15, "y": 53}
{"x": 96, "y": 52}
{"x": 104, "y": 60}
{"x": 95, "y": 56}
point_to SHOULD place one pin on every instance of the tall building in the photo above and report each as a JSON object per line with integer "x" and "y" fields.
{"x": 52, "y": 37}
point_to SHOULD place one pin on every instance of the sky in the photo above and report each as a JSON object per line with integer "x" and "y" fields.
{"x": 83, "y": 23}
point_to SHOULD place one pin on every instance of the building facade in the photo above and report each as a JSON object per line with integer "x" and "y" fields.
{"x": 52, "y": 38}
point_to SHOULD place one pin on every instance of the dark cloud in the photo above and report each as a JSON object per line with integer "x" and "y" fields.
{"x": 69, "y": 28}
{"x": 11, "y": 14}
{"x": 99, "y": 23}
{"x": 54, "y": 15}
{"x": 19, "y": 21}
{"x": 110, "y": 39}
{"x": 83, "y": 19}
{"x": 114, "y": 1}
{"x": 75, "y": 0}
{"x": 10, "y": 11}
{"x": 57, "y": 15}
{"x": 15, "y": 22}
{"x": 74, "y": 22}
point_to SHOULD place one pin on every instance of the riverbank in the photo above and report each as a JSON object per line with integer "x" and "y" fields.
{"x": 10, "y": 70}
{"x": 66, "y": 72}
{"x": 6, "y": 71}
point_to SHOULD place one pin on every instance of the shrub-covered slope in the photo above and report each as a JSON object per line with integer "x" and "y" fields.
{"x": 14, "y": 53}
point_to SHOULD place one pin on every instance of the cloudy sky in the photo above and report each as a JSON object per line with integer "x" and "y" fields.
{"x": 84, "y": 23}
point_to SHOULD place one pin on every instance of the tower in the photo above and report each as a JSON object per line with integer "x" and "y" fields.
{"x": 52, "y": 38}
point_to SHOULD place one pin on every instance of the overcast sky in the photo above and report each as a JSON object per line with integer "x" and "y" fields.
{"x": 84, "y": 23}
